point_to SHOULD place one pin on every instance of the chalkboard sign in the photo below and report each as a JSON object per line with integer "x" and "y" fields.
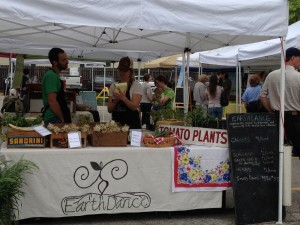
{"x": 179, "y": 95}
{"x": 254, "y": 155}
{"x": 179, "y": 100}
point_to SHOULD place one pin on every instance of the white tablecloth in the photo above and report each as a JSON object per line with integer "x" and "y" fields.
{"x": 74, "y": 182}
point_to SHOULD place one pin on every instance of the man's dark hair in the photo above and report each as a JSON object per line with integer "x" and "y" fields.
{"x": 53, "y": 54}
{"x": 161, "y": 78}
{"x": 26, "y": 71}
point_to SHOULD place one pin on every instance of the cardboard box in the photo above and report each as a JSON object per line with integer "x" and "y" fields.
{"x": 99, "y": 139}
{"x": 24, "y": 139}
{"x": 60, "y": 140}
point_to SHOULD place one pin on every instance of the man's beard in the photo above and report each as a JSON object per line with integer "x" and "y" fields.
{"x": 62, "y": 67}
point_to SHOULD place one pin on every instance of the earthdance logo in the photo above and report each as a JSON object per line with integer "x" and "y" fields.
{"x": 85, "y": 178}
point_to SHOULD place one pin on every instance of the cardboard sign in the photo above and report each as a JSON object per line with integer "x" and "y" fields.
{"x": 136, "y": 137}
{"x": 74, "y": 140}
{"x": 199, "y": 135}
{"x": 43, "y": 131}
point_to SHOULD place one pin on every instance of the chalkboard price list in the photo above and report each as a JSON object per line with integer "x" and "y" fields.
{"x": 254, "y": 155}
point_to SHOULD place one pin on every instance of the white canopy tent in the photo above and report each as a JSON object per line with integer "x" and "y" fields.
{"x": 141, "y": 25}
{"x": 42, "y": 49}
{"x": 257, "y": 53}
{"x": 273, "y": 47}
{"x": 162, "y": 26}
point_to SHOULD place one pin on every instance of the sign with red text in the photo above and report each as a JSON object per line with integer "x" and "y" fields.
{"x": 199, "y": 135}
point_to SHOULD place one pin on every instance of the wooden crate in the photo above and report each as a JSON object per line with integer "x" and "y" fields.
{"x": 24, "y": 139}
{"x": 60, "y": 140}
{"x": 99, "y": 139}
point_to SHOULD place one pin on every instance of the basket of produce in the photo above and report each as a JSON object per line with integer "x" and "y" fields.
{"x": 110, "y": 134}
{"x": 59, "y": 136}
{"x": 160, "y": 139}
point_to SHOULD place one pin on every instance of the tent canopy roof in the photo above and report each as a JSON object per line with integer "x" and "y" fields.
{"x": 110, "y": 29}
{"x": 163, "y": 62}
{"x": 259, "y": 53}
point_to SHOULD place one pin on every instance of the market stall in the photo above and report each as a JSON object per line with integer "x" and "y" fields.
{"x": 94, "y": 180}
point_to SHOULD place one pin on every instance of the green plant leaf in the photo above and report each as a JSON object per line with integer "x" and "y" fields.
{"x": 11, "y": 183}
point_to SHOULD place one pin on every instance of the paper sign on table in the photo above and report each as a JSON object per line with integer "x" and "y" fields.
{"x": 136, "y": 137}
{"x": 43, "y": 131}
{"x": 74, "y": 139}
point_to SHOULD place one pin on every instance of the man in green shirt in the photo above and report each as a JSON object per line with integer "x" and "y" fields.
{"x": 55, "y": 106}
{"x": 167, "y": 95}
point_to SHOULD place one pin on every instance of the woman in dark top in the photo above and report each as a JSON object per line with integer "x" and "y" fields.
{"x": 124, "y": 105}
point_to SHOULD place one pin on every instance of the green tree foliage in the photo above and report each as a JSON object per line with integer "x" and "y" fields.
{"x": 294, "y": 9}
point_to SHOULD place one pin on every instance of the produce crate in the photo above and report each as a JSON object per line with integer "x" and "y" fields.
{"x": 24, "y": 139}
{"x": 99, "y": 139}
{"x": 60, "y": 140}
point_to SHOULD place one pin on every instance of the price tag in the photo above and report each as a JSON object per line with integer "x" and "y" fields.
{"x": 74, "y": 139}
{"x": 43, "y": 131}
{"x": 136, "y": 138}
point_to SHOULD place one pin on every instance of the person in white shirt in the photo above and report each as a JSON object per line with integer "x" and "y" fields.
{"x": 200, "y": 97}
{"x": 146, "y": 102}
{"x": 214, "y": 91}
{"x": 270, "y": 97}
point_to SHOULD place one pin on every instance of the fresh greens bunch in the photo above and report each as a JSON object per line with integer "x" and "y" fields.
{"x": 198, "y": 118}
{"x": 162, "y": 133}
{"x": 20, "y": 121}
{"x": 167, "y": 114}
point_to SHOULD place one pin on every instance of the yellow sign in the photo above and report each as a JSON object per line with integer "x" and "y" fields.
{"x": 26, "y": 141}
{"x": 103, "y": 94}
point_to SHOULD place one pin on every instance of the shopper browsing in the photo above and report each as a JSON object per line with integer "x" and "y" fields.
{"x": 124, "y": 105}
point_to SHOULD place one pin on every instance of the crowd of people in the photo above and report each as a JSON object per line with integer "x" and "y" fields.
{"x": 126, "y": 107}
{"x": 207, "y": 93}
{"x": 133, "y": 105}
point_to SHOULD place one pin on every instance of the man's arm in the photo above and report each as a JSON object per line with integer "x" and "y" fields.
{"x": 54, "y": 106}
{"x": 266, "y": 103}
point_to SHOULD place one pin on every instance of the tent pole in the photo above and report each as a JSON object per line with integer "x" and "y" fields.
{"x": 281, "y": 128}
{"x": 199, "y": 70}
{"x": 103, "y": 102}
{"x": 186, "y": 86}
{"x": 236, "y": 85}
{"x": 182, "y": 72}
{"x": 8, "y": 78}
{"x": 187, "y": 74}
{"x": 92, "y": 77}
{"x": 139, "y": 69}
{"x": 240, "y": 88}
{"x": 11, "y": 73}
